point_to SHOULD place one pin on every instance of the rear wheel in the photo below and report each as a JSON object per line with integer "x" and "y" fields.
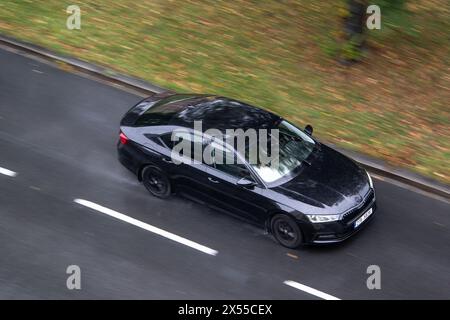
{"x": 156, "y": 182}
{"x": 286, "y": 231}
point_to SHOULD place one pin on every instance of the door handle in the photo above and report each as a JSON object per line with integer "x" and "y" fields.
{"x": 167, "y": 160}
{"x": 213, "y": 180}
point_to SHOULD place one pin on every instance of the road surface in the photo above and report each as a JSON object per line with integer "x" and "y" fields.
{"x": 58, "y": 132}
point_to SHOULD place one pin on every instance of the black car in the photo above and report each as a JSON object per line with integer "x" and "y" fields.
{"x": 315, "y": 195}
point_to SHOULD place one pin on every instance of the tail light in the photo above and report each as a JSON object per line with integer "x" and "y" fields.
{"x": 123, "y": 138}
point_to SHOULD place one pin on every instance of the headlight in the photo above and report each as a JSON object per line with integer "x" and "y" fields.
{"x": 318, "y": 218}
{"x": 370, "y": 180}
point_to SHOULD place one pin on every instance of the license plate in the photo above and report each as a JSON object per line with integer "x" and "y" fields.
{"x": 363, "y": 217}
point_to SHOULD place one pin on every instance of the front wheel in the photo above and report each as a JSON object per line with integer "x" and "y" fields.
{"x": 156, "y": 182}
{"x": 286, "y": 231}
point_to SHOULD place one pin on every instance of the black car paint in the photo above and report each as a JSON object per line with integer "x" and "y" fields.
{"x": 330, "y": 184}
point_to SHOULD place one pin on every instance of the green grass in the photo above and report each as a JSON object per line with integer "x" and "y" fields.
{"x": 278, "y": 54}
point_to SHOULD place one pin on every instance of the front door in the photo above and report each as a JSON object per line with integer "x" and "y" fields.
{"x": 223, "y": 178}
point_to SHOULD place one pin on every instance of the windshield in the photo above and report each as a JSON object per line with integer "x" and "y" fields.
{"x": 294, "y": 147}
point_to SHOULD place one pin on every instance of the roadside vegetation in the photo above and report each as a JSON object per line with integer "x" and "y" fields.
{"x": 281, "y": 55}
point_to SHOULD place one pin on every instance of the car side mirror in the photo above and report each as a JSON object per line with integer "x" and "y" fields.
{"x": 309, "y": 129}
{"x": 245, "y": 183}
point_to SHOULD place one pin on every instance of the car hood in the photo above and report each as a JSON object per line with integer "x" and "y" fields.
{"x": 330, "y": 181}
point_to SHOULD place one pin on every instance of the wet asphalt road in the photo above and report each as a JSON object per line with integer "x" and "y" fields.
{"x": 58, "y": 131}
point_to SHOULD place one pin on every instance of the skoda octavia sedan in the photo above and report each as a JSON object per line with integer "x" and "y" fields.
{"x": 314, "y": 195}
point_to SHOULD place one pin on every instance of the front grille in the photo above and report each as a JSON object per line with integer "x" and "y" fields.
{"x": 354, "y": 212}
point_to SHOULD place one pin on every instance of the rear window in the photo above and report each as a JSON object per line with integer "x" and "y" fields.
{"x": 163, "y": 111}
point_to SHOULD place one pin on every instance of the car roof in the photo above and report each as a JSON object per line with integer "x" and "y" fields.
{"x": 215, "y": 112}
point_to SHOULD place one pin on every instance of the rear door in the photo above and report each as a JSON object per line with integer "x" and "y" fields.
{"x": 189, "y": 176}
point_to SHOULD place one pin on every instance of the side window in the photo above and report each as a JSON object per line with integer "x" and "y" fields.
{"x": 196, "y": 146}
{"x": 225, "y": 160}
{"x": 154, "y": 138}
{"x": 166, "y": 138}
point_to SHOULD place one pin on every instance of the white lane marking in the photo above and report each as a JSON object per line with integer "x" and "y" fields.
{"x": 310, "y": 290}
{"x": 146, "y": 226}
{"x": 7, "y": 172}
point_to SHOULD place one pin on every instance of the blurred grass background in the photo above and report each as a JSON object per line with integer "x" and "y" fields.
{"x": 280, "y": 55}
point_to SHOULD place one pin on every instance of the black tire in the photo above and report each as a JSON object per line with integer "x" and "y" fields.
{"x": 286, "y": 231}
{"x": 156, "y": 182}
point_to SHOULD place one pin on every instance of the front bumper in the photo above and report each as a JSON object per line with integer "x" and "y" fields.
{"x": 337, "y": 231}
